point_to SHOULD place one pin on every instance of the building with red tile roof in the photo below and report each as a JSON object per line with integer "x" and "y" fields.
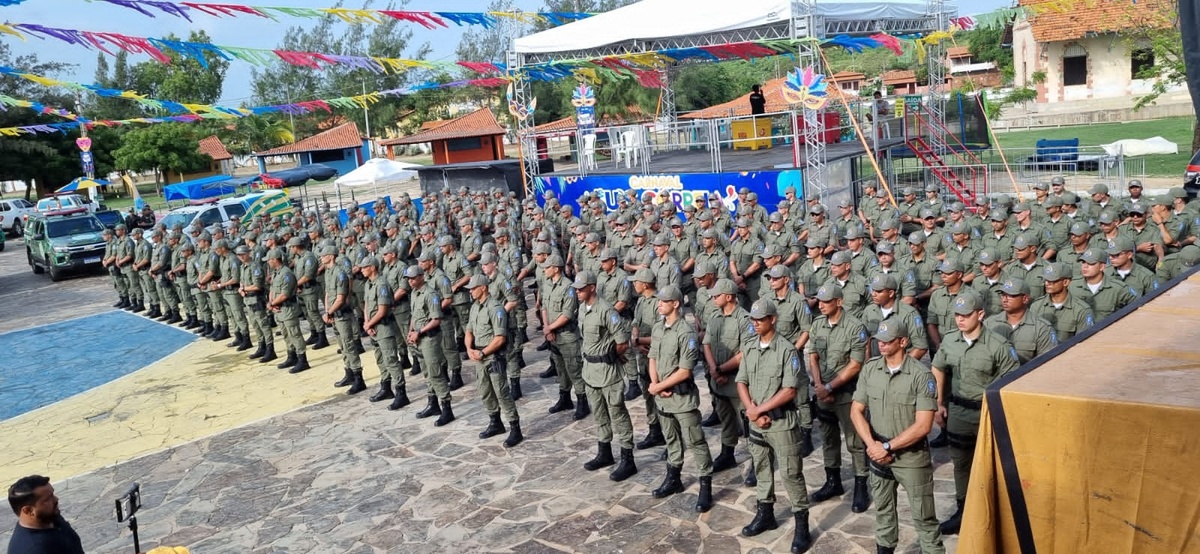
{"x": 474, "y": 137}
{"x": 221, "y": 164}
{"x": 341, "y": 148}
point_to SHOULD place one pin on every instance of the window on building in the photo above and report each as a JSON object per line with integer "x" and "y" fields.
{"x": 1075, "y": 70}
{"x": 1142, "y": 59}
{"x": 469, "y": 143}
{"x": 323, "y": 156}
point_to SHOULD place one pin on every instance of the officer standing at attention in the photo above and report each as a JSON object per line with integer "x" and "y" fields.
{"x": 1031, "y": 335}
{"x": 143, "y": 252}
{"x": 310, "y": 291}
{"x": 673, "y": 355}
{"x": 210, "y": 280}
{"x": 282, "y": 303}
{"x": 231, "y": 274}
{"x": 974, "y": 358}
{"x": 1069, "y": 315}
{"x": 641, "y": 331}
{"x": 125, "y": 252}
{"x": 767, "y": 384}
{"x": 605, "y": 338}
{"x": 196, "y": 263}
{"x": 112, "y": 248}
{"x": 457, "y": 269}
{"x": 486, "y": 339}
{"x": 561, "y": 307}
{"x": 424, "y": 335}
{"x": 252, "y": 288}
{"x": 339, "y": 314}
{"x": 381, "y": 326}
{"x": 724, "y": 336}
{"x": 900, "y": 395}
{"x": 836, "y": 351}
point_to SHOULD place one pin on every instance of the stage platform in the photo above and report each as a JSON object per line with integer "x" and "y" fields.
{"x": 700, "y": 161}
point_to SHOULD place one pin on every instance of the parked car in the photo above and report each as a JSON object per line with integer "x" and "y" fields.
{"x": 58, "y": 242}
{"x": 62, "y": 202}
{"x": 12, "y": 214}
{"x": 110, "y": 218}
{"x": 209, "y": 212}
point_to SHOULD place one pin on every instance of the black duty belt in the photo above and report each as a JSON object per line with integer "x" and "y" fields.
{"x": 960, "y": 441}
{"x": 966, "y": 402}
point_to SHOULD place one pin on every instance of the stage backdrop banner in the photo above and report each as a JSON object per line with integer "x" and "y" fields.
{"x": 683, "y": 188}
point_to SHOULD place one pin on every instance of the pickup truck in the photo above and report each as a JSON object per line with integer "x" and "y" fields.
{"x": 58, "y": 242}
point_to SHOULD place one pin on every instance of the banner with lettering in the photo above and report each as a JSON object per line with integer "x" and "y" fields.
{"x": 683, "y": 189}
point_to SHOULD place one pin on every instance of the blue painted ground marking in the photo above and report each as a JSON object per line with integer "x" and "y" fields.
{"x": 46, "y": 364}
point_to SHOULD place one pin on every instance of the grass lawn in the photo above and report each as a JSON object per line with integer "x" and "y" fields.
{"x": 1176, "y": 129}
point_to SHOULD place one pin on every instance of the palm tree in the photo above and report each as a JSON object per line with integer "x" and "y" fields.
{"x": 258, "y": 133}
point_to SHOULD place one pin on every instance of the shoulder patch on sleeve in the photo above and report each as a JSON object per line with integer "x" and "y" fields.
{"x": 862, "y": 335}
{"x": 750, "y": 330}
{"x": 795, "y": 364}
{"x": 614, "y": 318}
{"x": 1013, "y": 353}
{"x": 931, "y": 387}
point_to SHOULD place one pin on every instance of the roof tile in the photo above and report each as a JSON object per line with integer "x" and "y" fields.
{"x": 1098, "y": 16}
{"x": 740, "y": 106}
{"x": 213, "y": 147}
{"x": 479, "y": 123}
{"x": 342, "y": 136}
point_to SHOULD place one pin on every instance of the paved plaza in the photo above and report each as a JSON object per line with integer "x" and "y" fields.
{"x": 240, "y": 457}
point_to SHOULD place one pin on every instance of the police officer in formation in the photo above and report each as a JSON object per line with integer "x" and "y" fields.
{"x": 873, "y": 326}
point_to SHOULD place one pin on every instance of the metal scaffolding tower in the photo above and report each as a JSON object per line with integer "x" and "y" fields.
{"x": 936, "y": 60}
{"x": 805, "y": 25}
{"x": 522, "y": 93}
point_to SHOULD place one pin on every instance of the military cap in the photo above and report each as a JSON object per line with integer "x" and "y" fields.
{"x": 670, "y": 293}
{"x": 675, "y": 222}
{"x": 744, "y": 190}
{"x": 427, "y": 256}
{"x": 1107, "y": 216}
{"x": 907, "y": 191}
{"x": 156, "y": 234}
{"x": 1056, "y": 271}
{"x": 1134, "y": 183}
{"x": 269, "y": 236}
{"x": 888, "y": 224}
{"x": 369, "y": 261}
{"x": 752, "y": 197}
{"x": 491, "y": 246}
{"x": 107, "y": 232}
{"x": 853, "y": 233}
{"x": 771, "y": 251}
{"x": 1189, "y": 255}
{"x": 1099, "y": 188}
{"x": 931, "y": 188}
{"x": 988, "y": 256}
{"x": 928, "y": 213}
{"x": 541, "y": 248}
{"x": 956, "y": 207}
{"x": 204, "y": 236}
{"x": 274, "y": 254}
{"x": 816, "y": 209}
{"x": 1057, "y": 181}
{"x": 702, "y": 268}
{"x": 1177, "y": 192}
{"x": 119, "y": 227}
{"x": 295, "y": 241}
{"x": 1093, "y": 256}
{"x": 187, "y": 247}
{"x": 242, "y": 249}
{"x": 607, "y": 254}
{"x": 391, "y": 225}
{"x": 541, "y": 236}
{"x": 775, "y": 218}
{"x": 222, "y": 243}
{"x": 639, "y": 232}
{"x": 704, "y": 216}
{"x": 1080, "y": 228}
{"x": 1069, "y": 197}
{"x": 660, "y": 240}
{"x": 960, "y": 228}
{"x": 883, "y": 281}
{"x": 743, "y": 221}
{"x": 1025, "y": 240}
{"x": 591, "y": 237}
{"x": 487, "y": 258}
{"x": 1014, "y": 287}
{"x": 1053, "y": 202}
{"x": 709, "y": 233}
{"x": 1041, "y": 186}
{"x": 982, "y": 200}
{"x": 137, "y": 231}
{"x": 446, "y": 240}
{"x": 1021, "y": 207}
{"x": 829, "y": 292}
{"x": 622, "y": 220}
{"x": 890, "y": 330}
{"x": 968, "y": 303}
{"x": 1120, "y": 244}
{"x": 841, "y": 257}
{"x": 1164, "y": 200}
{"x": 413, "y": 271}
{"x": 950, "y": 266}
{"x": 846, "y": 202}
{"x": 1137, "y": 208}
{"x": 251, "y": 236}
{"x": 998, "y": 215}
{"x": 814, "y": 243}
{"x": 328, "y": 250}
{"x": 917, "y": 237}
{"x": 885, "y": 247}
{"x": 478, "y": 280}
{"x": 722, "y": 286}
{"x": 555, "y": 261}
{"x": 644, "y": 275}
{"x": 583, "y": 279}
{"x": 762, "y": 308}
{"x": 778, "y": 272}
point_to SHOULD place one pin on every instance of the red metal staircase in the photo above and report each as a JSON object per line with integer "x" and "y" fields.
{"x": 933, "y": 144}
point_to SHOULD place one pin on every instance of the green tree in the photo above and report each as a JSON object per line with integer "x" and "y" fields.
{"x": 184, "y": 79}
{"x": 120, "y": 78}
{"x": 1154, "y": 36}
{"x": 259, "y": 133}
{"x": 163, "y": 148}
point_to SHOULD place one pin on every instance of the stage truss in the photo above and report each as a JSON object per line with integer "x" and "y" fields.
{"x": 805, "y": 23}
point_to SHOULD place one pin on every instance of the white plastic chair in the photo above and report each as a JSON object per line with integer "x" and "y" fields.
{"x": 631, "y": 142}
{"x": 588, "y": 152}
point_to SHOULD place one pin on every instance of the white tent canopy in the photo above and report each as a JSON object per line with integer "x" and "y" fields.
{"x": 658, "y": 19}
{"x": 378, "y": 172}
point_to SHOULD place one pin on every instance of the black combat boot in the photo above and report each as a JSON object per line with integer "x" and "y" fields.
{"x": 495, "y": 427}
{"x": 289, "y": 361}
{"x": 246, "y": 344}
{"x": 456, "y": 381}
{"x": 514, "y": 434}
{"x": 831, "y": 488}
{"x": 951, "y": 526}
{"x": 802, "y": 538}
{"x": 881, "y": 549}
{"x": 626, "y": 468}
{"x": 653, "y": 438}
{"x": 582, "y": 409}
{"x": 431, "y": 409}
{"x": 604, "y": 457}
{"x": 764, "y": 520}
{"x": 713, "y": 419}
{"x": 301, "y": 364}
{"x": 806, "y": 443}
{"x": 543, "y": 347}
{"x": 269, "y": 353}
{"x": 202, "y": 329}
{"x": 322, "y": 341}
{"x": 550, "y": 371}
{"x": 632, "y": 390}
{"x": 190, "y": 322}
{"x": 312, "y": 338}
{"x": 564, "y": 402}
{"x": 385, "y": 391}
{"x": 121, "y": 303}
{"x": 862, "y": 499}
{"x": 347, "y": 378}
{"x": 359, "y": 384}
{"x": 671, "y": 483}
{"x": 704, "y": 502}
{"x": 237, "y": 340}
{"x": 153, "y": 312}
{"x": 514, "y": 388}
{"x": 416, "y": 367}
{"x": 521, "y": 360}
{"x": 221, "y": 334}
{"x": 724, "y": 460}
{"x": 175, "y": 317}
{"x": 461, "y": 345}
{"x": 447, "y": 415}
{"x": 401, "y": 399}
{"x": 262, "y": 349}
{"x": 157, "y": 314}
{"x": 138, "y": 306}
{"x": 358, "y": 345}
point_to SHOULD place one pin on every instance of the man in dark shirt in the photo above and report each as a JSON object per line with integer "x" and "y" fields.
{"x": 758, "y": 102}
{"x": 40, "y": 528}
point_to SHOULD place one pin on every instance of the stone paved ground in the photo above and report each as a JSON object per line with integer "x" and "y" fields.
{"x": 345, "y": 475}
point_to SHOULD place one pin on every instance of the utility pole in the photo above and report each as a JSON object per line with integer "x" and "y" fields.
{"x": 366, "y": 110}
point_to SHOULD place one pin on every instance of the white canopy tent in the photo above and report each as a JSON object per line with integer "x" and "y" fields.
{"x": 377, "y": 172}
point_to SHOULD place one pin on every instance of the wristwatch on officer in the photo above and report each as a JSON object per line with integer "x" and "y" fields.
{"x": 887, "y": 446}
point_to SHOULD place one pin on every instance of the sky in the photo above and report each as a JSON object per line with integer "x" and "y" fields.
{"x": 245, "y": 30}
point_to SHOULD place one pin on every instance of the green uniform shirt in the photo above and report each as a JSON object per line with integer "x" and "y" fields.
{"x": 284, "y": 284}
{"x": 766, "y": 369}
{"x": 673, "y": 348}
{"x": 488, "y": 320}
{"x": 1141, "y": 280}
{"x": 918, "y": 337}
{"x": 1034, "y": 276}
{"x": 426, "y": 306}
{"x": 252, "y": 275}
{"x": 940, "y": 312}
{"x": 1032, "y": 337}
{"x": 837, "y": 344}
{"x": 337, "y": 282}
{"x": 502, "y": 291}
{"x": 456, "y": 266}
{"x": 989, "y": 291}
{"x": 560, "y": 300}
{"x": 718, "y": 260}
{"x": 725, "y": 335}
{"x": 645, "y": 313}
{"x": 615, "y": 287}
{"x": 1003, "y": 244}
{"x": 971, "y": 368}
{"x": 1069, "y": 319}
{"x": 376, "y": 293}
{"x": 666, "y": 272}
{"x": 602, "y": 330}
{"x": 893, "y": 400}
{"x": 794, "y": 317}
{"x": 811, "y": 277}
{"x": 307, "y": 266}
{"x": 1109, "y": 297}
{"x": 855, "y": 294}
{"x": 746, "y": 252}
{"x": 231, "y": 270}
